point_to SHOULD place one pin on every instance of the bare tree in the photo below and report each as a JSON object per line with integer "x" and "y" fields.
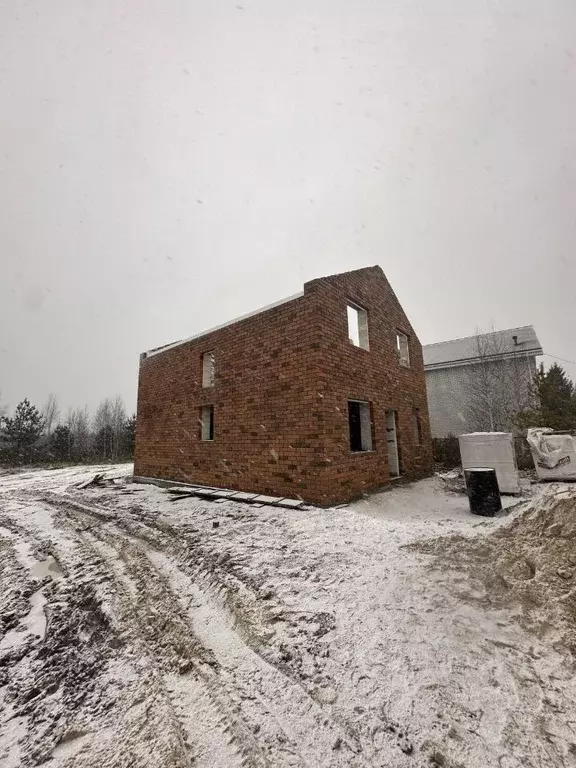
{"x": 109, "y": 428}
{"x": 499, "y": 383}
{"x": 78, "y": 423}
{"x": 102, "y": 426}
{"x": 118, "y": 421}
{"x": 3, "y": 408}
{"x": 70, "y": 422}
{"x": 50, "y": 414}
{"x": 82, "y": 436}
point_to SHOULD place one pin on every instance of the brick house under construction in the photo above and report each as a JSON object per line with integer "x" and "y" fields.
{"x": 321, "y": 396}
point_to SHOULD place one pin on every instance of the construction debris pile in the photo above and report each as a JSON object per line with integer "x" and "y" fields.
{"x": 528, "y": 565}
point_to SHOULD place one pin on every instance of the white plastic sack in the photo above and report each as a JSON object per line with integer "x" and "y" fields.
{"x": 554, "y": 455}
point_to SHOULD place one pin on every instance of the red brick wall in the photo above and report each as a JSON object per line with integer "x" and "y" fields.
{"x": 283, "y": 379}
{"x": 374, "y": 375}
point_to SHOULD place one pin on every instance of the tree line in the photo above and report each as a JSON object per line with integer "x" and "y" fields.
{"x": 34, "y": 435}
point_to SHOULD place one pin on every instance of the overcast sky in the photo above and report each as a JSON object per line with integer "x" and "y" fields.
{"x": 170, "y": 164}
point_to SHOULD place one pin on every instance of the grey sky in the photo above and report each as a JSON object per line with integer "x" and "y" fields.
{"x": 168, "y": 165}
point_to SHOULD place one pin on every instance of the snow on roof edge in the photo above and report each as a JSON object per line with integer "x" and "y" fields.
{"x": 159, "y": 350}
{"x": 535, "y": 351}
{"x": 484, "y": 333}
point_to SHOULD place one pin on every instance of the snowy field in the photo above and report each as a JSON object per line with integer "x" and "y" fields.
{"x": 140, "y": 631}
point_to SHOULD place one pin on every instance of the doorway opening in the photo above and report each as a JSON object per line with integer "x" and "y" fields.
{"x": 360, "y": 426}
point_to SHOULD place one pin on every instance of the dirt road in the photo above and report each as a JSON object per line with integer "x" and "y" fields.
{"x": 137, "y": 631}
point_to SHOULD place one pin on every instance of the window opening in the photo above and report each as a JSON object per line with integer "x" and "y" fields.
{"x": 402, "y": 348}
{"x": 208, "y": 369}
{"x": 357, "y": 326}
{"x": 207, "y": 418}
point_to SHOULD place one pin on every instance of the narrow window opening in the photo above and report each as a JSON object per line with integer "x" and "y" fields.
{"x": 360, "y": 425}
{"x": 208, "y": 369}
{"x": 207, "y": 419}
{"x": 416, "y": 426}
{"x": 392, "y": 443}
{"x": 357, "y": 326}
{"x": 402, "y": 349}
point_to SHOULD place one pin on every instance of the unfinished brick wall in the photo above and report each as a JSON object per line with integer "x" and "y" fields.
{"x": 373, "y": 375}
{"x": 283, "y": 378}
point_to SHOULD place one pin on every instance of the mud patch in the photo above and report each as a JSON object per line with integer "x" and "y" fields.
{"x": 53, "y": 683}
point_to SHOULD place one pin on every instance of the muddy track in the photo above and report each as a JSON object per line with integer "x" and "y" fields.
{"x": 197, "y": 631}
{"x": 137, "y": 635}
{"x": 212, "y": 630}
{"x": 232, "y": 602}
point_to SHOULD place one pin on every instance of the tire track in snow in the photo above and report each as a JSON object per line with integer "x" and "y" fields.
{"x": 268, "y": 713}
{"x": 148, "y": 623}
{"x": 242, "y": 711}
{"x": 158, "y": 727}
{"x": 209, "y": 716}
{"x": 279, "y": 702}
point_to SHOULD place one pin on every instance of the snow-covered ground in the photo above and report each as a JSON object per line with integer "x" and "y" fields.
{"x": 141, "y": 631}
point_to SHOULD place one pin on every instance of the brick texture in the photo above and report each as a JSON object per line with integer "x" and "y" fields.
{"x": 283, "y": 379}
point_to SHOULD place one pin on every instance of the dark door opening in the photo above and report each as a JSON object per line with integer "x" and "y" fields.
{"x": 360, "y": 425}
{"x": 355, "y": 426}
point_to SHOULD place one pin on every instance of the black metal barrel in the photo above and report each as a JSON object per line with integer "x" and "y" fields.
{"x": 483, "y": 491}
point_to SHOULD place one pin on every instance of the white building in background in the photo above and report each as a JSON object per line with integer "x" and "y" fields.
{"x": 476, "y": 383}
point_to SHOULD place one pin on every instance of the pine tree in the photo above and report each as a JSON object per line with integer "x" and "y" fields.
{"x": 61, "y": 443}
{"x": 22, "y": 431}
{"x": 129, "y": 437}
{"x": 555, "y": 394}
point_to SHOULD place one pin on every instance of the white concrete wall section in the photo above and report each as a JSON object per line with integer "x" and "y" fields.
{"x": 495, "y": 450}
